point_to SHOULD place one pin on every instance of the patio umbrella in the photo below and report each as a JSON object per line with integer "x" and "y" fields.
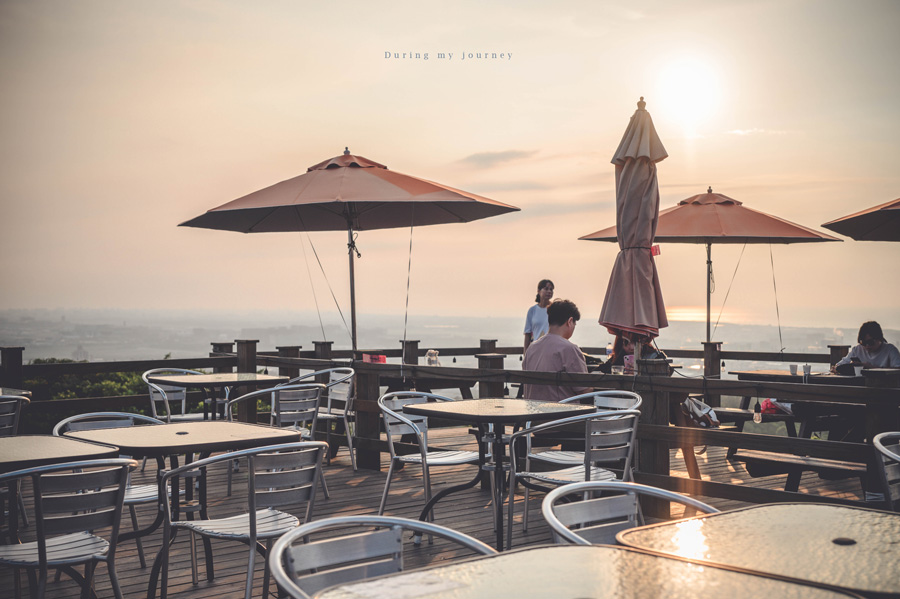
{"x": 710, "y": 218}
{"x": 633, "y": 301}
{"x": 349, "y": 193}
{"x": 879, "y": 223}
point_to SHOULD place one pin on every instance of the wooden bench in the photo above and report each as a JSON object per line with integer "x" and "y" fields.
{"x": 767, "y": 463}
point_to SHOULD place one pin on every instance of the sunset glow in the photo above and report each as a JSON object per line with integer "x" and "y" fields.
{"x": 689, "y": 92}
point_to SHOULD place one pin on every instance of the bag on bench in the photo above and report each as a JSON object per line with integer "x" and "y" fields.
{"x": 699, "y": 413}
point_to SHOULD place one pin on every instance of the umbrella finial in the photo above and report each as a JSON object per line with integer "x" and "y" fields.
{"x": 642, "y": 104}
{"x": 709, "y": 190}
{"x": 346, "y": 150}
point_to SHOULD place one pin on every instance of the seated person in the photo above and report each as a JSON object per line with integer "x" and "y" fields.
{"x": 873, "y": 351}
{"x": 555, "y": 353}
{"x": 624, "y": 345}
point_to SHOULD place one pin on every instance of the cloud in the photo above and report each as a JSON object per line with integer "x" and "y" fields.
{"x": 510, "y": 186}
{"x": 489, "y": 159}
{"x": 744, "y": 132}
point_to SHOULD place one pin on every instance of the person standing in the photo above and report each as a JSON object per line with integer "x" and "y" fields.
{"x": 555, "y": 353}
{"x": 536, "y": 324}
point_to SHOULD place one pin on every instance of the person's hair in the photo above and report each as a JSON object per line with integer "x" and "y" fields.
{"x": 560, "y": 311}
{"x": 617, "y": 357}
{"x": 873, "y": 330}
{"x": 541, "y": 285}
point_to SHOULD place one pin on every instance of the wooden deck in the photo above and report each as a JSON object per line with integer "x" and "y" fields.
{"x": 359, "y": 493}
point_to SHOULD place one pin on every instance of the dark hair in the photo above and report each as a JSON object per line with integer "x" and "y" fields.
{"x": 541, "y": 285}
{"x": 560, "y": 311}
{"x": 873, "y": 330}
{"x": 617, "y": 357}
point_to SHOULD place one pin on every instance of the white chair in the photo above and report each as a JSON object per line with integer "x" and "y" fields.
{"x": 397, "y": 424}
{"x": 338, "y": 404}
{"x": 277, "y": 476}
{"x": 587, "y": 514}
{"x": 167, "y": 396}
{"x": 303, "y": 566}
{"x": 134, "y": 494}
{"x": 888, "y": 447}
{"x": 609, "y": 448}
{"x": 75, "y": 503}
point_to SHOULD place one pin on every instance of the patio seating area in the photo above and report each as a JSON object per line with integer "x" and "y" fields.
{"x": 359, "y": 492}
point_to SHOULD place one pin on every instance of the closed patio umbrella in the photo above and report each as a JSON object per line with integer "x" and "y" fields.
{"x": 879, "y": 223}
{"x": 349, "y": 193}
{"x": 710, "y": 218}
{"x": 633, "y": 301}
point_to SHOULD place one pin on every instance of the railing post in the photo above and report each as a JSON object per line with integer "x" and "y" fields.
{"x": 837, "y": 352}
{"x": 323, "y": 349}
{"x": 490, "y": 388}
{"x": 222, "y": 348}
{"x": 246, "y": 357}
{"x": 11, "y": 367}
{"x": 368, "y": 418}
{"x": 712, "y": 368}
{"x": 410, "y": 351}
{"x": 653, "y": 456}
{"x": 882, "y": 415}
{"x": 289, "y": 351}
{"x": 487, "y": 346}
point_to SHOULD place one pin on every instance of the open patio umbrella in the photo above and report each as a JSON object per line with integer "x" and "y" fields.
{"x": 879, "y": 223}
{"x": 710, "y": 218}
{"x": 633, "y": 301}
{"x": 349, "y": 193}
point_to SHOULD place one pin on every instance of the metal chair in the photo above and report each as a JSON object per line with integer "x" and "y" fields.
{"x": 134, "y": 494}
{"x": 73, "y": 502}
{"x": 338, "y": 405}
{"x": 397, "y": 425}
{"x": 598, "y": 517}
{"x": 302, "y": 567}
{"x": 888, "y": 447}
{"x": 11, "y": 407}
{"x": 294, "y": 406}
{"x": 166, "y": 395}
{"x": 277, "y": 476}
{"x": 608, "y": 440}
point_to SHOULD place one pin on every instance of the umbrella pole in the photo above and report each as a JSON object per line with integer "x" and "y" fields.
{"x": 708, "y": 287}
{"x": 351, "y": 249}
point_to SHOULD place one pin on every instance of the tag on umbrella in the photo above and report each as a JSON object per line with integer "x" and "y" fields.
{"x": 654, "y": 250}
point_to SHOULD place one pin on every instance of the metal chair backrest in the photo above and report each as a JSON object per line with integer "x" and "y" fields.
{"x": 303, "y": 566}
{"x": 888, "y": 447}
{"x": 609, "y": 400}
{"x": 10, "y": 410}
{"x": 166, "y": 395}
{"x": 397, "y": 424}
{"x": 297, "y": 406}
{"x": 599, "y": 516}
{"x": 339, "y": 384}
{"x": 98, "y": 420}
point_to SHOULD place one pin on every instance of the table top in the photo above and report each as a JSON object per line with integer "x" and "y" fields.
{"x": 18, "y": 392}
{"x": 849, "y": 547}
{"x": 570, "y": 572}
{"x": 161, "y": 440}
{"x": 785, "y": 376}
{"x": 219, "y": 379}
{"x": 28, "y": 451}
{"x": 498, "y": 410}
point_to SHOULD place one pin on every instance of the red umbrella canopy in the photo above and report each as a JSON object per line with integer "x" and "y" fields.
{"x": 348, "y": 192}
{"x": 879, "y": 223}
{"x": 633, "y": 302}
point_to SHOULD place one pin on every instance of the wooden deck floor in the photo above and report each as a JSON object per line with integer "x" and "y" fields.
{"x": 359, "y": 493}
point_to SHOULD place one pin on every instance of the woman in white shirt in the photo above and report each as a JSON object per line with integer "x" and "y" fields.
{"x": 873, "y": 350}
{"x": 536, "y": 324}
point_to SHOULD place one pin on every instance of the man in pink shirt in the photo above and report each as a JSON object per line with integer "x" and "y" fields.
{"x": 555, "y": 353}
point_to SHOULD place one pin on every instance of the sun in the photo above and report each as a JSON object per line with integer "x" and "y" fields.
{"x": 688, "y": 92}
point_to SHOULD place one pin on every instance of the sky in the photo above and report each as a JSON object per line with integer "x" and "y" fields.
{"x": 120, "y": 120}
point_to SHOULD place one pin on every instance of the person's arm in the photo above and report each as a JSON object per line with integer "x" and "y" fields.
{"x": 893, "y": 360}
{"x": 853, "y": 353}
{"x": 527, "y": 343}
{"x": 577, "y": 364}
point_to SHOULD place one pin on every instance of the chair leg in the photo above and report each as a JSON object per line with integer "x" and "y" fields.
{"x": 349, "y": 433}
{"x": 324, "y": 485}
{"x": 194, "y": 578}
{"x": 265, "y": 593}
{"x": 387, "y": 487}
{"x": 88, "y": 582}
{"x": 525, "y": 513}
{"x": 140, "y": 545}
{"x": 510, "y": 510}
{"x": 248, "y": 589}
{"x": 114, "y": 578}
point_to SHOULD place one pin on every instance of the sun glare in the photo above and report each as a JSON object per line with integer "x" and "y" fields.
{"x": 688, "y": 93}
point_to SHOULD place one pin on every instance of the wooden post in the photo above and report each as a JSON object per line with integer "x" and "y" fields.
{"x": 490, "y": 388}
{"x": 368, "y": 418}
{"x": 11, "y": 367}
{"x": 222, "y": 347}
{"x": 289, "y": 351}
{"x": 487, "y": 346}
{"x": 410, "y": 351}
{"x": 653, "y": 456}
{"x": 712, "y": 368}
{"x": 881, "y": 415}
{"x": 323, "y": 349}
{"x": 246, "y": 355}
{"x": 837, "y": 352}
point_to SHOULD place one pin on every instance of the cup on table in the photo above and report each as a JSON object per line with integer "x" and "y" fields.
{"x": 793, "y": 368}
{"x": 857, "y": 370}
{"x": 618, "y": 370}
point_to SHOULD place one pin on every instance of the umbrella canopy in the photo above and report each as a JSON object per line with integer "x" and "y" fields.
{"x": 716, "y": 218}
{"x": 349, "y": 193}
{"x": 879, "y": 223}
{"x": 633, "y": 301}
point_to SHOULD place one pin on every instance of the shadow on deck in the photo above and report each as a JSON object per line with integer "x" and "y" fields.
{"x": 359, "y": 493}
